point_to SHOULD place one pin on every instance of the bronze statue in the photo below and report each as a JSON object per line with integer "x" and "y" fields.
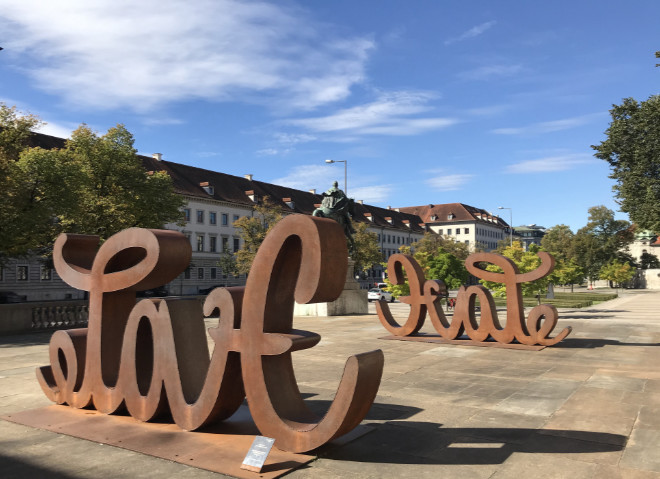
{"x": 339, "y": 207}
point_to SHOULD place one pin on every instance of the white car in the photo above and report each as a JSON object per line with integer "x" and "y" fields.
{"x": 376, "y": 294}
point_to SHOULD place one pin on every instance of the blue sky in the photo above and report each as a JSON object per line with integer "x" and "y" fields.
{"x": 480, "y": 102}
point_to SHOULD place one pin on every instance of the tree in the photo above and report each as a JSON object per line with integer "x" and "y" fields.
{"x": 649, "y": 261}
{"x": 632, "y": 149}
{"x": 657, "y": 55}
{"x": 93, "y": 185}
{"x": 526, "y": 261}
{"x": 253, "y": 231}
{"x": 601, "y": 240}
{"x": 431, "y": 243}
{"x": 567, "y": 272}
{"x": 617, "y": 272}
{"x": 558, "y": 241}
{"x": 366, "y": 251}
{"x": 448, "y": 268}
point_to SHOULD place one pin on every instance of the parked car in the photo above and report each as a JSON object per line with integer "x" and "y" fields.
{"x": 153, "y": 293}
{"x": 11, "y": 297}
{"x": 208, "y": 290}
{"x": 376, "y": 294}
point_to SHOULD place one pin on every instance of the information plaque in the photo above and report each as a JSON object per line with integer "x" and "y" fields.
{"x": 256, "y": 456}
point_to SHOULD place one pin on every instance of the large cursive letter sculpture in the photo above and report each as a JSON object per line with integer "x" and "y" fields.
{"x": 424, "y": 297}
{"x": 153, "y": 356}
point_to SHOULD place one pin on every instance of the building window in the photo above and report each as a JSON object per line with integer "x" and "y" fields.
{"x": 21, "y": 273}
{"x": 213, "y": 244}
{"x": 186, "y": 214}
{"x": 448, "y": 231}
{"x": 236, "y": 217}
{"x": 186, "y": 273}
{"x": 467, "y": 231}
{"x": 212, "y": 217}
{"x": 200, "y": 242}
{"x": 467, "y": 241}
{"x": 225, "y": 243}
{"x": 2, "y": 274}
{"x": 440, "y": 232}
{"x": 225, "y": 219}
{"x": 200, "y": 273}
{"x": 237, "y": 244}
{"x": 200, "y": 216}
{"x": 214, "y": 273}
{"x": 46, "y": 273}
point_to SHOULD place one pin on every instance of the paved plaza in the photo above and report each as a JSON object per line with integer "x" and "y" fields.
{"x": 586, "y": 408}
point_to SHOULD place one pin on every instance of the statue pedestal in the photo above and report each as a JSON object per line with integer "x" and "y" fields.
{"x": 352, "y": 300}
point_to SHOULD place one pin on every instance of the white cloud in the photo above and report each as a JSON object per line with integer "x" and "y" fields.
{"x": 551, "y": 163}
{"x": 320, "y": 177}
{"x": 305, "y": 177}
{"x": 293, "y": 139}
{"x": 471, "y": 33}
{"x": 376, "y": 194}
{"x": 61, "y": 130}
{"x": 488, "y": 72}
{"x": 448, "y": 182}
{"x": 141, "y": 55}
{"x": 549, "y": 126}
{"x": 388, "y": 115}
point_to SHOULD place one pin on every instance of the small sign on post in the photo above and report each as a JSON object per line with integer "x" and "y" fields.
{"x": 256, "y": 456}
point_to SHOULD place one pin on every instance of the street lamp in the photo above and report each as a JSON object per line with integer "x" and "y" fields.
{"x": 345, "y": 162}
{"x": 510, "y": 221}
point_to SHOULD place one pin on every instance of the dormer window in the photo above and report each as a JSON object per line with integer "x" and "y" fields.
{"x": 289, "y": 202}
{"x": 369, "y": 216}
{"x": 389, "y": 219}
{"x": 207, "y": 187}
{"x": 434, "y": 217}
{"x": 252, "y": 195}
{"x": 451, "y": 216}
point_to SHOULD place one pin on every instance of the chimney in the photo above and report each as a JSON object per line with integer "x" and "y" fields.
{"x": 360, "y": 202}
{"x": 157, "y": 156}
{"x": 248, "y": 177}
{"x": 313, "y": 191}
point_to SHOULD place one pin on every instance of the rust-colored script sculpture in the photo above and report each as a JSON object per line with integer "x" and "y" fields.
{"x": 152, "y": 357}
{"x": 424, "y": 297}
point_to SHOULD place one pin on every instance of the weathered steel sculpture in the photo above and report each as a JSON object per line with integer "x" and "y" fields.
{"x": 424, "y": 298}
{"x": 153, "y": 357}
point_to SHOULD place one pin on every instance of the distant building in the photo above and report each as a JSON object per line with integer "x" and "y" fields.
{"x": 463, "y": 223}
{"x": 214, "y": 202}
{"x": 528, "y": 235}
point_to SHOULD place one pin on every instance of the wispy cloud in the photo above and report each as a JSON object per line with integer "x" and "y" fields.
{"x": 549, "y": 126}
{"x": 471, "y": 33}
{"x": 320, "y": 177}
{"x": 61, "y": 130}
{"x": 376, "y": 194}
{"x": 489, "y": 72}
{"x": 293, "y": 138}
{"x": 448, "y": 182}
{"x": 395, "y": 113}
{"x": 305, "y": 177}
{"x": 95, "y": 54}
{"x": 551, "y": 163}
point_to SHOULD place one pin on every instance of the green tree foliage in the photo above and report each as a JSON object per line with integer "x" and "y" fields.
{"x": 94, "y": 185}
{"x": 227, "y": 262}
{"x": 430, "y": 243}
{"x": 526, "y": 261}
{"x": 617, "y": 272}
{"x": 440, "y": 265}
{"x": 558, "y": 241}
{"x": 366, "y": 252}
{"x": 657, "y": 55}
{"x": 601, "y": 240}
{"x": 632, "y": 149}
{"x": 253, "y": 230}
{"x": 649, "y": 261}
{"x": 448, "y": 268}
{"x": 566, "y": 272}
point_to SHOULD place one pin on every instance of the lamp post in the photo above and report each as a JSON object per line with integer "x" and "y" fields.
{"x": 510, "y": 221}
{"x": 345, "y": 162}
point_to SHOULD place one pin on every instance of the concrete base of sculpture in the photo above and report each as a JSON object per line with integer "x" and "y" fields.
{"x": 352, "y": 300}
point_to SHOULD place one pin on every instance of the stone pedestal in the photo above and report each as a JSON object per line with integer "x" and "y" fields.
{"x": 352, "y": 300}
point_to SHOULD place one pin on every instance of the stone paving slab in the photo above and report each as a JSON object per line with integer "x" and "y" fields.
{"x": 585, "y": 408}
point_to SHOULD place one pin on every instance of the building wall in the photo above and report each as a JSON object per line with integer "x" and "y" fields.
{"x": 471, "y": 233}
